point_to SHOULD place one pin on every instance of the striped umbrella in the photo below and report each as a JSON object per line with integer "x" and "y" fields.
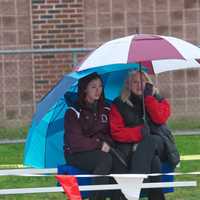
{"x": 156, "y": 53}
{"x": 113, "y": 61}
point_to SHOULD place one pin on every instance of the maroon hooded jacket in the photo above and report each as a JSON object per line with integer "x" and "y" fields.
{"x": 85, "y": 130}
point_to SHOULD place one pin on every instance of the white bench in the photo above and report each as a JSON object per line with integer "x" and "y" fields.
{"x": 124, "y": 181}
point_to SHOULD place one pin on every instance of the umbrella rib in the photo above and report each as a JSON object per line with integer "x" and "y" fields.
{"x": 57, "y": 113}
{"x": 51, "y": 120}
{"x": 54, "y": 107}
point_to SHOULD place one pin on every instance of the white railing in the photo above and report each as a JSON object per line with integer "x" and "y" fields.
{"x": 130, "y": 184}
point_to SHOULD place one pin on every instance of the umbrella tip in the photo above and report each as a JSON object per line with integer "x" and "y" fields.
{"x": 137, "y": 30}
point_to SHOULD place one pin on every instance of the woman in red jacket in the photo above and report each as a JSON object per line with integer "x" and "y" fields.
{"x": 142, "y": 150}
{"x": 87, "y": 136}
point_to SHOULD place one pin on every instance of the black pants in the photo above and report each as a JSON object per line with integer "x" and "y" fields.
{"x": 146, "y": 159}
{"x": 101, "y": 163}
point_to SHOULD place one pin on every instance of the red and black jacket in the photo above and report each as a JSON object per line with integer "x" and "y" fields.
{"x": 126, "y": 121}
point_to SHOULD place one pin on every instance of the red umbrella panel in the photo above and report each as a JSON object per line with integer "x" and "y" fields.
{"x": 156, "y": 53}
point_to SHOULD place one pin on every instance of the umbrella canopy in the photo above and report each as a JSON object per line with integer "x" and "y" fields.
{"x": 44, "y": 144}
{"x": 155, "y": 52}
{"x": 113, "y": 60}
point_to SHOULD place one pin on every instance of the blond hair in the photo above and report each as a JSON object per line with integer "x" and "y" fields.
{"x": 126, "y": 91}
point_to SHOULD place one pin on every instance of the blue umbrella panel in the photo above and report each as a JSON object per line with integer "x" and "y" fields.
{"x": 44, "y": 144}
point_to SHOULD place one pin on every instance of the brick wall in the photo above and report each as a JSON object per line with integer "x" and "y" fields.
{"x": 183, "y": 90}
{"x": 108, "y": 19}
{"x": 25, "y": 79}
{"x": 16, "y": 71}
{"x": 55, "y": 24}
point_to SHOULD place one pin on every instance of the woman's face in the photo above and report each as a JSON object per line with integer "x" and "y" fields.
{"x": 93, "y": 90}
{"x": 135, "y": 83}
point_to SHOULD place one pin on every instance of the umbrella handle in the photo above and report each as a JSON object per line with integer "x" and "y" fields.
{"x": 141, "y": 84}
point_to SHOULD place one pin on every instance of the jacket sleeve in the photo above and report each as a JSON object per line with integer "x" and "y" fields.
{"x": 76, "y": 139}
{"x": 119, "y": 131}
{"x": 159, "y": 111}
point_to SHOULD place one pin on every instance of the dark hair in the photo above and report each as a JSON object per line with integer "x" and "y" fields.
{"x": 82, "y": 85}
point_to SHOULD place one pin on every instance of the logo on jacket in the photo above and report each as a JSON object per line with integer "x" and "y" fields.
{"x": 104, "y": 118}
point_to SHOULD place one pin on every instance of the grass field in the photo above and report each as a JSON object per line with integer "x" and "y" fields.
{"x": 13, "y": 133}
{"x": 184, "y": 124}
{"x": 13, "y": 154}
{"x": 178, "y": 124}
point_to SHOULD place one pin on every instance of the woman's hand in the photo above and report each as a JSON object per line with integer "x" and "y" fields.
{"x": 148, "y": 89}
{"x": 105, "y": 147}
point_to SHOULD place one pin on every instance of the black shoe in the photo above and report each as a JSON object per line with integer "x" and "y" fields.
{"x": 118, "y": 196}
{"x": 156, "y": 194}
{"x": 122, "y": 197}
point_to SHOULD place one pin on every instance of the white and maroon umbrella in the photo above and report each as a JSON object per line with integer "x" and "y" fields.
{"x": 156, "y": 53}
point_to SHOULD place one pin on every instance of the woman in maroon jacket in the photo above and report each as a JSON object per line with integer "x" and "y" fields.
{"x": 87, "y": 132}
{"x": 142, "y": 150}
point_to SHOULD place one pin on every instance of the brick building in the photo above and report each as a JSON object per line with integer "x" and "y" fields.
{"x": 24, "y": 24}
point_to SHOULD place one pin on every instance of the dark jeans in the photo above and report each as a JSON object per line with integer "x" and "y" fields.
{"x": 146, "y": 159}
{"x": 100, "y": 163}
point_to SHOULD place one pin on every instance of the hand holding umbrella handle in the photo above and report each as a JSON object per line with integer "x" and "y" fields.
{"x": 105, "y": 147}
{"x": 148, "y": 89}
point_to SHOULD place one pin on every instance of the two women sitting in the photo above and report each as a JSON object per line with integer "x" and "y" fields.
{"x": 102, "y": 140}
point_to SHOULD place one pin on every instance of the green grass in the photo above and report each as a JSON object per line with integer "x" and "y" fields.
{"x": 44, "y": 196}
{"x": 188, "y": 144}
{"x": 184, "y": 124}
{"x": 13, "y": 154}
{"x": 191, "y": 193}
{"x": 174, "y": 124}
{"x": 13, "y": 133}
